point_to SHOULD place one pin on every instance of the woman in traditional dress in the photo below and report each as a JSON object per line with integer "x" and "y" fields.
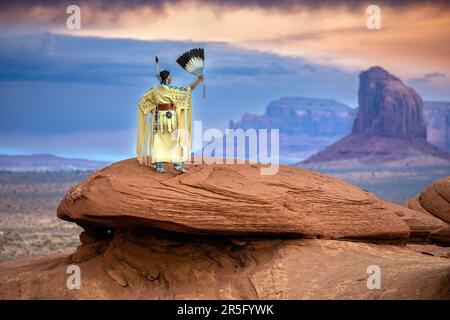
{"x": 165, "y": 124}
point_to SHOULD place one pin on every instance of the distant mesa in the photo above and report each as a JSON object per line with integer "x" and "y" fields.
{"x": 437, "y": 117}
{"x": 306, "y": 125}
{"x": 389, "y": 127}
{"x": 301, "y": 115}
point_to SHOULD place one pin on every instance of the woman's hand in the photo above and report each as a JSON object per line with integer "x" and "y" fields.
{"x": 199, "y": 79}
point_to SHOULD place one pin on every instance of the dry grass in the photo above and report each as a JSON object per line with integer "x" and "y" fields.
{"x": 28, "y": 222}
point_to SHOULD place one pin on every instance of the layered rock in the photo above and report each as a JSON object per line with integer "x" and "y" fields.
{"x": 235, "y": 199}
{"x": 145, "y": 264}
{"x": 389, "y": 127}
{"x": 434, "y": 200}
{"x": 441, "y": 236}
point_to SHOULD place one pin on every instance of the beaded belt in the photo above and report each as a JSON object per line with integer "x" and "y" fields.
{"x": 166, "y": 107}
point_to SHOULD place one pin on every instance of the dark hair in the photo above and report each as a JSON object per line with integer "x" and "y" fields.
{"x": 163, "y": 75}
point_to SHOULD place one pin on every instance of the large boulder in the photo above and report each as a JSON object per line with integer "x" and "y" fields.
{"x": 233, "y": 199}
{"x": 434, "y": 201}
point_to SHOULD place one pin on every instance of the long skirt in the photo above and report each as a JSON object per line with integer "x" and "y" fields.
{"x": 165, "y": 142}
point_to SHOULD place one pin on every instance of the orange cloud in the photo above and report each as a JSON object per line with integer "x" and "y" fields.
{"x": 414, "y": 39}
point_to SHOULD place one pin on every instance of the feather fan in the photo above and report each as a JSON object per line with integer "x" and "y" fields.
{"x": 193, "y": 61}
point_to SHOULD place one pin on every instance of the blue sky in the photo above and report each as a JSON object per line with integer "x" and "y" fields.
{"x": 76, "y": 96}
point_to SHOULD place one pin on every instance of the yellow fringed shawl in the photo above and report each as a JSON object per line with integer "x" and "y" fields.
{"x": 163, "y": 94}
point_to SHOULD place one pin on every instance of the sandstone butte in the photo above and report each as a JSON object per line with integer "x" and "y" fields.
{"x": 226, "y": 232}
{"x": 389, "y": 127}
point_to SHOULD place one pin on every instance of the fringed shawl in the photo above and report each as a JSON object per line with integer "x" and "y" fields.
{"x": 181, "y": 98}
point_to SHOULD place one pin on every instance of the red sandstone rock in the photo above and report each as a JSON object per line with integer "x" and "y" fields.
{"x": 434, "y": 200}
{"x": 441, "y": 236}
{"x": 149, "y": 265}
{"x": 234, "y": 200}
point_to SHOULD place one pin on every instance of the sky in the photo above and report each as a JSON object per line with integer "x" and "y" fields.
{"x": 74, "y": 92}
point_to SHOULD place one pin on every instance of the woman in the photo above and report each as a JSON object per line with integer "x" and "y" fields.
{"x": 165, "y": 136}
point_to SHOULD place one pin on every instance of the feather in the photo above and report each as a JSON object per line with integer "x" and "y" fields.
{"x": 157, "y": 69}
{"x": 193, "y": 61}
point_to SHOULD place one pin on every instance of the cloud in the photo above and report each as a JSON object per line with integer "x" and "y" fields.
{"x": 430, "y": 77}
{"x": 106, "y": 13}
{"x": 56, "y": 83}
{"x": 158, "y": 4}
{"x": 434, "y": 75}
{"x": 324, "y": 32}
{"x": 88, "y": 60}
